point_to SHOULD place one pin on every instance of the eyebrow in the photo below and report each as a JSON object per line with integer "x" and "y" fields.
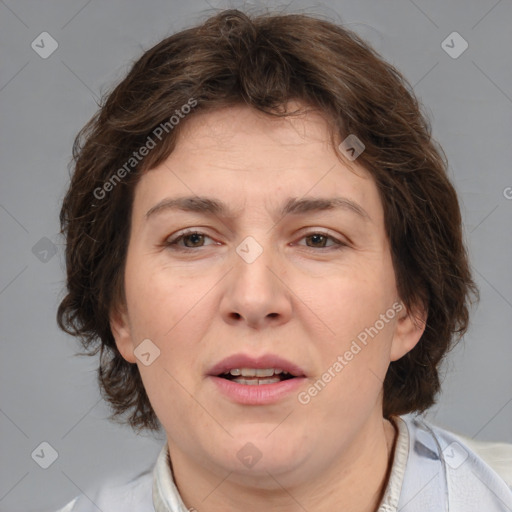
{"x": 292, "y": 206}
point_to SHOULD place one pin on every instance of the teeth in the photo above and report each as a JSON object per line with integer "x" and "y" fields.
{"x": 267, "y": 372}
{"x": 255, "y": 372}
{"x": 257, "y": 382}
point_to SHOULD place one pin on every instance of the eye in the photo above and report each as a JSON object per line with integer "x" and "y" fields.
{"x": 190, "y": 240}
{"x": 319, "y": 240}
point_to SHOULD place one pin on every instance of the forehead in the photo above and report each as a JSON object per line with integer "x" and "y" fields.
{"x": 239, "y": 133}
{"x": 246, "y": 158}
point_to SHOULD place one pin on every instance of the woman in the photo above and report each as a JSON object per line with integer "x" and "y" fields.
{"x": 264, "y": 246}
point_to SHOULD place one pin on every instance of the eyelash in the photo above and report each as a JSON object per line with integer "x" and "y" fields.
{"x": 173, "y": 243}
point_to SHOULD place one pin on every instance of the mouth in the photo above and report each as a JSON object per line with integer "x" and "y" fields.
{"x": 250, "y": 370}
{"x": 262, "y": 380}
{"x": 256, "y": 376}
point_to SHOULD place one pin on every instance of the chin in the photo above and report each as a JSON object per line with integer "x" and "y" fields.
{"x": 262, "y": 452}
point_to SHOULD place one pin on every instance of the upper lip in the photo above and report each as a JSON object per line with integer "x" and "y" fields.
{"x": 264, "y": 361}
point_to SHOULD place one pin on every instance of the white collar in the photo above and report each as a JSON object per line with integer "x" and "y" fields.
{"x": 393, "y": 490}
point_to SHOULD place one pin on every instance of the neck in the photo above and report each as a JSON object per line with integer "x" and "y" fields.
{"x": 354, "y": 482}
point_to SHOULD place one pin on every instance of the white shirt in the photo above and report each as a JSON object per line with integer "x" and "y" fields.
{"x": 433, "y": 470}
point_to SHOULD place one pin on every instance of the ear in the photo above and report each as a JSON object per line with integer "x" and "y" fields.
{"x": 121, "y": 330}
{"x": 408, "y": 330}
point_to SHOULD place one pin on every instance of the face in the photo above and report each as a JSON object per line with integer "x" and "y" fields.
{"x": 271, "y": 281}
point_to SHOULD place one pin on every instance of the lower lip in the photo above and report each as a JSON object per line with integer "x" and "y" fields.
{"x": 262, "y": 394}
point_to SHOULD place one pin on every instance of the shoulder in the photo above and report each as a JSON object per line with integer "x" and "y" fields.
{"x": 134, "y": 495}
{"x": 498, "y": 456}
{"x": 471, "y": 475}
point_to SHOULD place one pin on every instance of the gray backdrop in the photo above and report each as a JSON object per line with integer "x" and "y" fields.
{"x": 47, "y": 394}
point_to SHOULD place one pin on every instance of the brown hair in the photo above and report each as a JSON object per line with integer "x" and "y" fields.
{"x": 263, "y": 62}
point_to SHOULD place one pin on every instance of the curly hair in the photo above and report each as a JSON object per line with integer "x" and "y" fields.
{"x": 265, "y": 61}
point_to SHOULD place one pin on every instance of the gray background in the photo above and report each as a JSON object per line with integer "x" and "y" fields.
{"x": 49, "y": 395}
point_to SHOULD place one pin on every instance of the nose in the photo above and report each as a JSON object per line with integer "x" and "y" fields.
{"x": 255, "y": 292}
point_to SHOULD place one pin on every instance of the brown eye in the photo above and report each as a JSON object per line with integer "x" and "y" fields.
{"x": 319, "y": 240}
{"x": 195, "y": 239}
{"x": 191, "y": 240}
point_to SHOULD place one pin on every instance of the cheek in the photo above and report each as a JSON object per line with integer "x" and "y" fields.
{"x": 354, "y": 300}
{"x": 160, "y": 300}
{"x": 357, "y": 347}
{"x": 174, "y": 312}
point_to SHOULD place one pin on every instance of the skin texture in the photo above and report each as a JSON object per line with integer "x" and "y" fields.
{"x": 301, "y": 299}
